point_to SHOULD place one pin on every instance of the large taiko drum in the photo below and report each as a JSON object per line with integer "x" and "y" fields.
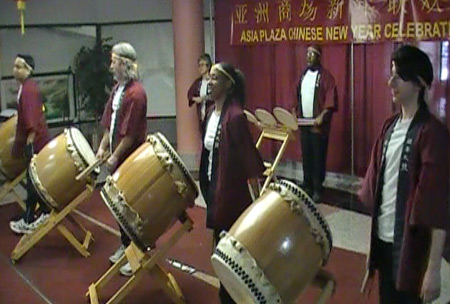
{"x": 54, "y": 169}
{"x": 10, "y": 166}
{"x": 275, "y": 248}
{"x": 149, "y": 191}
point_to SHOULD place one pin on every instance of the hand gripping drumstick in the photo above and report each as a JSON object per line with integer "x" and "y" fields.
{"x": 92, "y": 167}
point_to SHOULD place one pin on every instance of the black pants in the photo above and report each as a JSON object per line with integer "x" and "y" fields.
{"x": 314, "y": 152}
{"x": 388, "y": 293}
{"x": 124, "y": 237}
{"x": 32, "y": 199}
{"x": 224, "y": 296}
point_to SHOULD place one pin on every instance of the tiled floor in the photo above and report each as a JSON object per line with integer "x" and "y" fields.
{"x": 53, "y": 272}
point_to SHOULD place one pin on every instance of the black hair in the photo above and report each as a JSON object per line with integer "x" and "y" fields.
{"x": 205, "y": 57}
{"x": 414, "y": 65}
{"x": 238, "y": 89}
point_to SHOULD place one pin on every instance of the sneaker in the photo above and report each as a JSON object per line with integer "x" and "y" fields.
{"x": 118, "y": 254}
{"x": 20, "y": 227}
{"x": 126, "y": 270}
{"x": 39, "y": 221}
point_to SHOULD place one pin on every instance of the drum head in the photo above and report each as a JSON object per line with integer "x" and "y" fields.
{"x": 177, "y": 160}
{"x": 285, "y": 118}
{"x": 7, "y": 113}
{"x": 240, "y": 273}
{"x": 265, "y": 117}
{"x": 231, "y": 281}
{"x": 82, "y": 147}
{"x": 250, "y": 117}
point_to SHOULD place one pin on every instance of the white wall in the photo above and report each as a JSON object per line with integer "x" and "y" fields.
{"x": 154, "y": 46}
{"x": 88, "y": 11}
{"x": 54, "y": 49}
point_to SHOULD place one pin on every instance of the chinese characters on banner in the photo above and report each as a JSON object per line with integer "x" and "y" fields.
{"x": 256, "y": 22}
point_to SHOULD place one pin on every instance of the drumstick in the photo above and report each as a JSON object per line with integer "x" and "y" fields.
{"x": 92, "y": 167}
{"x": 364, "y": 282}
{"x": 252, "y": 194}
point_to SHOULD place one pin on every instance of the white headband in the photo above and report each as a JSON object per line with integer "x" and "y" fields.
{"x": 222, "y": 70}
{"x": 25, "y": 63}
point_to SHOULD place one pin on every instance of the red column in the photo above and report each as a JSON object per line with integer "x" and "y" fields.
{"x": 189, "y": 44}
{"x": 1, "y": 60}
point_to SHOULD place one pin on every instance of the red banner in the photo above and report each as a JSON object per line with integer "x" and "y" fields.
{"x": 256, "y": 22}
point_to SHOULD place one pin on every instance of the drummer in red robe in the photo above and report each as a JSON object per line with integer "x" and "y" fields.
{"x": 124, "y": 120}
{"x": 316, "y": 98}
{"x": 31, "y": 136}
{"x": 229, "y": 159}
{"x": 406, "y": 186}
{"x": 198, "y": 92}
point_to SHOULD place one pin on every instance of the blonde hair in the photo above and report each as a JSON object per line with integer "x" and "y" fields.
{"x": 127, "y": 55}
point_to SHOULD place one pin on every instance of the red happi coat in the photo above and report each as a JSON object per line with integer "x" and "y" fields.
{"x": 30, "y": 118}
{"x": 194, "y": 91}
{"x": 325, "y": 97}
{"x": 235, "y": 161}
{"x": 427, "y": 205}
{"x": 132, "y": 116}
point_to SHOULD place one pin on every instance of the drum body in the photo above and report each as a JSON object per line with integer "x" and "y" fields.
{"x": 10, "y": 166}
{"x": 54, "y": 169}
{"x": 149, "y": 191}
{"x": 275, "y": 248}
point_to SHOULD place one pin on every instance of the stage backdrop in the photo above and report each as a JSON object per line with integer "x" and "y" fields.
{"x": 336, "y": 21}
{"x": 272, "y": 68}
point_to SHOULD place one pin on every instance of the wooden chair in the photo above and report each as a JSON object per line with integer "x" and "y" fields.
{"x": 55, "y": 221}
{"x": 10, "y": 187}
{"x": 142, "y": 263}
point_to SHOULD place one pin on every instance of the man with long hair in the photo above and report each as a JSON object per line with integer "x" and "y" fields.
{"x": 124, "y": 120}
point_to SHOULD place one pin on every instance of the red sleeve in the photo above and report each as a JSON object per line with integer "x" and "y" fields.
{"x": 295, "y": 98}
{"x": 193, "y": 92}
{"x": 430, "y": 202}
{"x": 331, "y": 97}
{"x": 31, "y": 107}
{"x": 251, "y": 161}
{"x": 367, "y": 192}
{"x": 106, "y": 117}
{"x": 134, "y": 116}
{"x": 368, "y": 188}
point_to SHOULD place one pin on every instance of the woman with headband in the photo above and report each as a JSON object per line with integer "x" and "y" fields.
{"x": 31, "y": 136}
{"x": 229, "y": 159}
{"x": 406, "y": 185}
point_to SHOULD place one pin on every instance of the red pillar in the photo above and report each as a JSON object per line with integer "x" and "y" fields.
{"x": 1, "y": 61}
{"x": 189, "y": 44}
